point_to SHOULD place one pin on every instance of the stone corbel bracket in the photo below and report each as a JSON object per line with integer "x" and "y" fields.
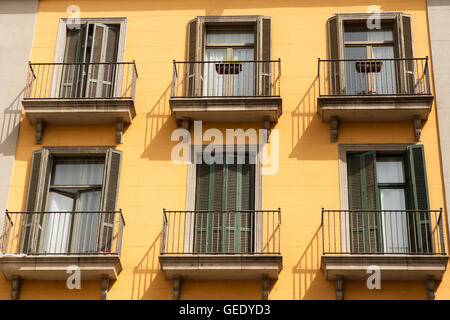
{"x": 119, "y": 131}
{"x": 417, "y": 128}
{"x": 39, "y": 131}
{"x": 334, "y": 129}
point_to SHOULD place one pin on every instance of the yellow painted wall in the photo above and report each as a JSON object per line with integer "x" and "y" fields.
{"x": 308, "y": 178}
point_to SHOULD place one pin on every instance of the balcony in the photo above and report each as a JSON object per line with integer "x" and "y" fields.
{"x": 80, "y": 93}
{"x": 44, "y": 245}
{"x": 226, "y": 91}
{"x": 212, "y": 245}
{"x": 404, "y": 244}
{"x": 374, "y": 90}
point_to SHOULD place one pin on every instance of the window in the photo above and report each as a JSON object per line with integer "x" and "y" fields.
{"x": 362, "y": 43}
{"x": 78, "y": 189}
{"x": 233, "y": 78}
{"x": 351, "y": 39}
{"x": 229, "y": 38}
{"x": 88, "y": 56}
{"x": 388, "y": 197}
{"x": 224, "y": 203}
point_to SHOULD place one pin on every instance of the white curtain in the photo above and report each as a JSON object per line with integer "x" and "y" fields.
{"x": 57, "y": 230}
{"x": 394, "y": 224}
{"x": 86, "y": 224}
{"x": 244, "y": 82}
{"x": 385, "y": 81}
{"x": 73, "y": 173}
{"x": 214, "y": 83}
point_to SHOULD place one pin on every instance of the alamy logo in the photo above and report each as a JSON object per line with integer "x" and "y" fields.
{"x": 74, "y": 280}
{"x": 235, "y": 140}
{"x": 374, "y": 281}
{"x": 374, "y": 21}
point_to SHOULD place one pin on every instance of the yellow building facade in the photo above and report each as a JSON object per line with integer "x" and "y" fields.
{"x": 314, "y": 129}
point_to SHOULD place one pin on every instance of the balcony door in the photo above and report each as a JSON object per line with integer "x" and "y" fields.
{"x": 224, "y": 220}
{"x": 90, "y": 58}
{"x": 223, "y": 74}
{"x": 370, "y": 77}
{"x": 389, "y": 203}
{"x": 76, "y": 187}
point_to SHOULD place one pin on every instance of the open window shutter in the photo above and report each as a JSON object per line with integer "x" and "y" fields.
{"x": 406, "y": 50}
{"x": 246, "y": 219}
{"x": 109, "y": 198}
{"x": 103, "y": 49}
{"x": 231, "y": 243}
{"x": 265, "y": 68}
{"x": 71, "y": 74}
{"x": 202, "y": 202}
{"x": 192, "y": 56}
{"x": 420, "y": 224}
{"x": 365, "y": 231}
{"x": 34, "y": 223}
{"x": 334, "y": 66}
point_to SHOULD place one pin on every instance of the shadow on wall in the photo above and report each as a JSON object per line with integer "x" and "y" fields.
{"x": 148, "y": 280}
{"x": 159, "y": 126}
{"x": 308, "y": 129}
{"x": 308, "y": 279}
{"x": 10, "y": 125}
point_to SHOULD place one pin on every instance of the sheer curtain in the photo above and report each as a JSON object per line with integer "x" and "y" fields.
{"x": 214, "y": 82}
{"x": 244, "y": 82}
{"x": 385, "y": 81}
{"x": 394, "y": 224}
{"x": 58, "y": 224}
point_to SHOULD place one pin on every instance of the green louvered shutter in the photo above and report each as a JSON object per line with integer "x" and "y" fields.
{"x": 224, "y": 190}
{"x": 202, "y": 195}
{"x": 247, "y": 203}
{"x": 420, "y": 224}
{"x": 365, "y": 231}
{"x": 109, "y": 198}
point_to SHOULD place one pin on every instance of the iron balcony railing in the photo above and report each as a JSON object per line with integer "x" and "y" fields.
{"x": 407, "y": 232}
{"x": 364, "y": 77}
{"x": 221, "y": 232}
{"x": 79, "y": 80}
{"x": 253, "y": 78}
{"x": 62, "y": 233}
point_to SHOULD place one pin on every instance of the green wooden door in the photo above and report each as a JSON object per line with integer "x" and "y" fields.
{"x": 224, "y": 204}
{"x": 365, "y": 232}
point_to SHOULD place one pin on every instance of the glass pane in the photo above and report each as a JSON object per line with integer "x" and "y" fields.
{"x": 78, "y": 172}
{"x": 57, "y": 229}
{"x": 356, "y": 82}
{"x": 395, "y": 226}
{"x": 214, "y": 80}
{"x": 360, "y": 32}
{"x": 390, "y": 170}
{"x": 386, "y": 33}
{"x": 229, "y": 36}
{"x": 243, "y": 79}
{"x": 355, "y": 33}
{"x": 385, "y": 81}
